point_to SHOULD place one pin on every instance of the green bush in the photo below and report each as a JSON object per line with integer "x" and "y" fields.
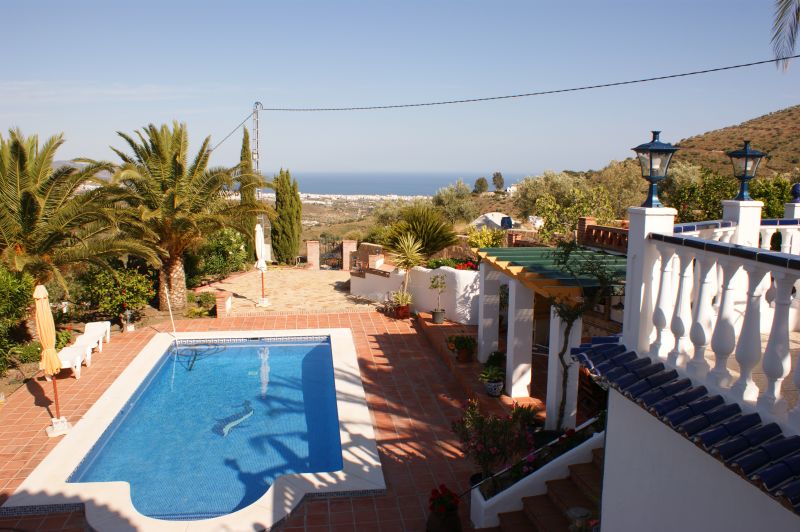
{"x": 111, "y": 292}
{"x": 17, "y": 297}
{"x": 427, "y": 226}
{"x": 485, "y": 237}
{"x": 223, "y": 253}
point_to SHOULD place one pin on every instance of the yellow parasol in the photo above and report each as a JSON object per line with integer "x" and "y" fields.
{"x": 46, "y": 329}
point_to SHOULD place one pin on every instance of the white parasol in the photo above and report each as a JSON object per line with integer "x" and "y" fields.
{"x": 260, "y": 263}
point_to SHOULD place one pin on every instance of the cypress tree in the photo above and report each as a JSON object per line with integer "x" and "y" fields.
{"x": 248, "y": 195}
{"x": 286, "y": 226}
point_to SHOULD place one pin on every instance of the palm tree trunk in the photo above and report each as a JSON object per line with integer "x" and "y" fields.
{"x": 173, "y": 277}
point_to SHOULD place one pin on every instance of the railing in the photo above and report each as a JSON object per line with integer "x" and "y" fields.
{"x": 788, "y": 229}
{"x": 719, "y": 230}
{"x": 604, "y": 237}
{"x": 711, "y": 294}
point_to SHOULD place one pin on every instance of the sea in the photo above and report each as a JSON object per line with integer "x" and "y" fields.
{"x": 388, "y": 183}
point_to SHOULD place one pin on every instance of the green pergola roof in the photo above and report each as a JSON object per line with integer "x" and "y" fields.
{"x": 537, "y": 268}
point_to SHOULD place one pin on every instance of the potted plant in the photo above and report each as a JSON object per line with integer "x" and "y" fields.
{"x": 402, "y": 303}
{"x": 443, "y": 505}
{"x": 464, "y": 346}
{"x": 492, "y": 378}
{"x": 439, "y": 284}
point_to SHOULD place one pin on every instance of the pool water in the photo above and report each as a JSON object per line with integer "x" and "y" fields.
{"x": 211, "y": 427}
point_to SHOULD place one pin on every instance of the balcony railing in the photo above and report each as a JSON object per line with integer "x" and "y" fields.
{"x": 711, "y": 299}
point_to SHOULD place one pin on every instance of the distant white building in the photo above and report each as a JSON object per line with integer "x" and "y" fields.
{"x": 511, "y": 190}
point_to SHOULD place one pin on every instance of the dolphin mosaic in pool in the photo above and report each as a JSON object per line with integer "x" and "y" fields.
{"x": 225, "y": 425}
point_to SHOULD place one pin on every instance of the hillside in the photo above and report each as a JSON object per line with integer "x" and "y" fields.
{"x": 776, "y": 133}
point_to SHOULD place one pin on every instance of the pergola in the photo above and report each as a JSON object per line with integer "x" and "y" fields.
{"x": 534, "y": 279}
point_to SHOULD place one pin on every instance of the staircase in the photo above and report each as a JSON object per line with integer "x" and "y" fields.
{"x": 548, "y": 513}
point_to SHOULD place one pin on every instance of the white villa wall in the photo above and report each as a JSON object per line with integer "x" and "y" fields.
{"x": 656, "y": 480}
{"x": 459, "y": 300}
{"x": 375, "y": 287}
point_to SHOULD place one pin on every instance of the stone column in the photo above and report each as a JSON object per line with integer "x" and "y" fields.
{"x": 747, "y": 216}
{"x": 792, "y": 211}
{"x": 555, "y": 373}
{"x": 640, "y": 290}
{"x": 488, "y": 311}
{"x": 312, "y": 254}
{"x": 520, "y": 339}
{"x": 348, "y": 248}
{"x": 583, "y": 223}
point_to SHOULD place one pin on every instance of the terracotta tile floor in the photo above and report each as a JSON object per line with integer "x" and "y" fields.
{"x": 411, "y": 394}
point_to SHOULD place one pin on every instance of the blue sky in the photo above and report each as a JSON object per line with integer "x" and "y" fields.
{"x": 90, "y": 68}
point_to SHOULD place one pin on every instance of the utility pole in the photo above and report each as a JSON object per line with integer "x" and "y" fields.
{"x": 256, "y": 136}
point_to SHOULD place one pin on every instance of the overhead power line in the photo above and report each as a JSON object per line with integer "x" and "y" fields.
{"x": 511, "y": 96}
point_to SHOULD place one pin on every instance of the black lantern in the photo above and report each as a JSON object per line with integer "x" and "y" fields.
{"x": 745, "y": 164}
{"x": 654, "y": 158}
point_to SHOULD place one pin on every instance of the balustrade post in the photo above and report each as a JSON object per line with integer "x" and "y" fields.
{"x": 786, "y": 238}
{"x": 748, "y": 348}
{"x": 777, "y": 362}
{"x": 682, "y": 316}
{"x": 700, "y": 332}
{"x": 661, "y": 310}
{"x": 641, "y": 260}
{"x": 723, "y": 341}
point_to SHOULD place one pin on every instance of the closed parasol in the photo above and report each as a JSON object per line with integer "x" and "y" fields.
{"x": 50, "y": 363}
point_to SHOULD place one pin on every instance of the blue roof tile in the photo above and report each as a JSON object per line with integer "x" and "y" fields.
{"x": 757, "y": 451}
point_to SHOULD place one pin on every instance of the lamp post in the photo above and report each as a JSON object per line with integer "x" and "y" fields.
{"x": 745, "y": 164}
{"x": 654, "y": 157}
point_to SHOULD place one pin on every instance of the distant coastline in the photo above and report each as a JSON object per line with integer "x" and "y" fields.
{"x": 386, "y": 183}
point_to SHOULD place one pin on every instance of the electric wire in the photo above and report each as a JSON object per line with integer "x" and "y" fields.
{"x": 509, "y": 96}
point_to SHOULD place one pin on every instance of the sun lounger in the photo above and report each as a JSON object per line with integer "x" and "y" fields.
{"x": 73, "y": 356}
{"x": 93, "y": 334}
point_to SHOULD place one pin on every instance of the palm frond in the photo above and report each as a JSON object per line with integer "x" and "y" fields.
{"x": 785, "y": 29}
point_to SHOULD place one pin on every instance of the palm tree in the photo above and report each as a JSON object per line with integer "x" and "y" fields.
{"x": 785, "y": 29}
{"x": 181, "y": 202}
{"x": 51, "y": 218}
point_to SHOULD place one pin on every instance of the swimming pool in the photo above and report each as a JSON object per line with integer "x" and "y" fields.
{"x": 214, "y": 424}
{"x": 257, "y": 431}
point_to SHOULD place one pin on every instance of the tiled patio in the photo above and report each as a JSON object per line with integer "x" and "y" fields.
{"x": 411, "y": 394}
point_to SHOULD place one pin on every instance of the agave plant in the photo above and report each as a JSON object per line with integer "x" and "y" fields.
{"x": 51, "y": 218}
{"x": 181, "y": 202}
{"x": 427, "y": 225}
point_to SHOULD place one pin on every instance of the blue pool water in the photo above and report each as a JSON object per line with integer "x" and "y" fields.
{"x": 210, "y": 429}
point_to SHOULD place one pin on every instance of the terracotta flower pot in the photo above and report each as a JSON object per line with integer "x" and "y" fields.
{"x": 402, "y": 312}
{"x": 464, "y": 355}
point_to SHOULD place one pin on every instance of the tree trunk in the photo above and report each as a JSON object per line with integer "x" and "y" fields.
{"x": 562, "y": 405}
{"x": 173, "y": 277}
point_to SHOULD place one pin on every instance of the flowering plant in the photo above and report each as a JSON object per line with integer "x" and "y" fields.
{"x": 443, "y": 500}
{"x": 468, "y": 265}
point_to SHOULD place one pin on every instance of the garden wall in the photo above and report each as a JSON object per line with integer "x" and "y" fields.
{"x": 459, "y": 300}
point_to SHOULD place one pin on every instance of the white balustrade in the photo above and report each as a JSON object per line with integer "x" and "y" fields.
{"x": 695, "y": 326}
{"x": 766, "y": 232}
{"x": 702, "y": 316}
{"x": 748, "y": 348}
{"x": 682, "y": 316}
{"x": 723, "y": 341}
{"x": 777, "y": 362}
{"x": 661, "y": 310}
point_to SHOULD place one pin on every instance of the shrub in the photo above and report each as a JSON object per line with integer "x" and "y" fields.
{"x": 427, "y": 226}
{"x": 111, "y": 292}
{"x": 17, "y": 297}
{"x": 481, "y": 185}
{"x": 497, "y": 359}
{"x": 223, "y": 253}
{"x": 485, "y": 237}
{"x": 458, "y": 264}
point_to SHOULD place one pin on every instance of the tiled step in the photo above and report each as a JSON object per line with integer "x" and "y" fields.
{"x": 598, "y": 457}
{"x": 565, "y": 494}
{"x": 588, "y": 478}
{"x": 545, "y": 516}
{"x": 515, "y": 522}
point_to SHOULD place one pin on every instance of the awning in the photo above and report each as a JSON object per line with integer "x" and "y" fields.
{"x": 536, "y": 268}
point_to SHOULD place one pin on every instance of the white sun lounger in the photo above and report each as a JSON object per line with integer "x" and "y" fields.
{"x": 93, "y": 334}
{"x": 73, "y": 356}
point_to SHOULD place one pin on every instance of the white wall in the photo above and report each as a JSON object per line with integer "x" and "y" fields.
{"x": 375, "y": 287}
{"x": 459, "y": 300}
{"x": 656, "y": 480}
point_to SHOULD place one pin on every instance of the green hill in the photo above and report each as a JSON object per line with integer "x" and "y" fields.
{"x": 776, "y": 133}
